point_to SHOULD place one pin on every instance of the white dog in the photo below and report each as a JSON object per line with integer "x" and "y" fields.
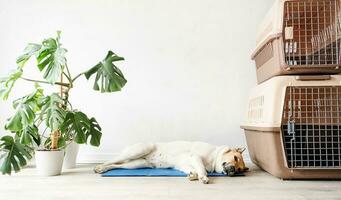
{"x": 193, "y": 158}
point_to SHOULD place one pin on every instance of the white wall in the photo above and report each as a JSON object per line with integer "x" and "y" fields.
{"x": 187, "y": 63}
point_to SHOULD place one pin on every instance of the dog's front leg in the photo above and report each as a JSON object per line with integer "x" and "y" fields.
{"x": 199, "y": 167}
{"x": 192, "y": 176}
{"x": 187, "y": 168}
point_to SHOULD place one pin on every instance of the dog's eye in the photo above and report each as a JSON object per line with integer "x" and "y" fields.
{"x": 236, "y": 158}
{"x": 224, "y": 163}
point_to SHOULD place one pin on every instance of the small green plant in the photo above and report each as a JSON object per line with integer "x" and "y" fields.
{"x": 52, "y": 113}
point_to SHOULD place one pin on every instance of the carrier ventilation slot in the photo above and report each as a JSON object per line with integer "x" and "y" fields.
{"x": 311, "y": 127}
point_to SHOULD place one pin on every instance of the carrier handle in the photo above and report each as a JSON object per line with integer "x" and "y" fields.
{"x": 270, "y": 38}
{"x": 313, "y": 77}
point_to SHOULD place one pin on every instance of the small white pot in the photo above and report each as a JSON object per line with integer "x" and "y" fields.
{"x": 49, "y": 163}
{"x": 71, "y": 152}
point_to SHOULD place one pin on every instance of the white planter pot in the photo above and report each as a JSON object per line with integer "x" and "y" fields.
{"x": 71, "y": 153}
{"x": 49, "y": 163}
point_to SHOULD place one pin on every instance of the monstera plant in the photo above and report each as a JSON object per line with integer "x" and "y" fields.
{"x": 48, "y": 121}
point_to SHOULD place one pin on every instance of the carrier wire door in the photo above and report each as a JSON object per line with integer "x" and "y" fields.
{"x": 312, "y": 33}
{"x": 311, "y": 127}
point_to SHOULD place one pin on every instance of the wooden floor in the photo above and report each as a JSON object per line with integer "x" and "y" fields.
{"x": 81, "y": 183}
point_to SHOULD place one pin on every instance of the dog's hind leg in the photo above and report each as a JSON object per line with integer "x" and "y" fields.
{"x": 132, "y": 152}
{"x": 132, "y": 164}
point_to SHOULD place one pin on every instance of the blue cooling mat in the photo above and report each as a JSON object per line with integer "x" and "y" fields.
{"x": 149, "y": 172}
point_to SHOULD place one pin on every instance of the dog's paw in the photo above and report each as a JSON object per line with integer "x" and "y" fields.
{"x": 99, "y": 169}
{"x": 192, "y": 176}
{"x": 204, "y": 179}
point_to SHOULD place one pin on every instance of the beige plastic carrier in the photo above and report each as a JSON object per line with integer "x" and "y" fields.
{"x": 293, "y": 126}
{"x": 299, "y": 37}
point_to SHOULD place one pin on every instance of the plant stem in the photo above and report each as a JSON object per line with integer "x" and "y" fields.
{"x": 68, "y": 78}
{"x": 43, "y": 135}
{"x": 70, "y": 104}
{"x": 66, "y": 92}
{"x": 45, "y": 82}
{"x": 73, "y": 80}
{"x": 69, "y": 74}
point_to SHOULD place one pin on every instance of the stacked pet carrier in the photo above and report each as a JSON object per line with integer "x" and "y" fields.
{"x": 293, "y": 120}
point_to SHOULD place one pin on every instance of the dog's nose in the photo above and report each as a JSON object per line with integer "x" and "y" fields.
{"x": 229, "y": 169}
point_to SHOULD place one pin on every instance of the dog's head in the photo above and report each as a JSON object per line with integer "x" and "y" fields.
{"x": 230, "y": 161}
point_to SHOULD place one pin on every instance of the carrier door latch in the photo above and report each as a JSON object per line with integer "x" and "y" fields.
{"x": 291, "y": 128}
{"x": 291, "y": 131}
{"x": 289, "y": 33}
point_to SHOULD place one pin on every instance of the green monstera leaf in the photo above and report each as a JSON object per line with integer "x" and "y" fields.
{"x": 13, "y": 155}
{"x": 50, "y": 57}
{"x": 51, "y": 111}
{"x": 25, "y": 109}
{"x": 109, "y": 78}
{"x": 23, "y": 117}
{"x": 77, "y": 124}
{"x": 94, "y": 133}
{"x": 82, "y": 128}
{"x": 7, "y": 83}
{"x": 30, "y": 50}
{"x": 30, "y": 134}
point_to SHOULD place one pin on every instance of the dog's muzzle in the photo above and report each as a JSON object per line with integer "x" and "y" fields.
{"x": 229, "y": 169}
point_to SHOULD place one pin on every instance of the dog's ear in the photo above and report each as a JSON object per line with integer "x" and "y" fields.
{"x": 241, "y": 150}
{"x": 226, "y": 150}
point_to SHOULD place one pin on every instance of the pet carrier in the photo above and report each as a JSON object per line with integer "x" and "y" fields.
{"x": 293, "y": 126}
{"x": 299, "y": 37}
